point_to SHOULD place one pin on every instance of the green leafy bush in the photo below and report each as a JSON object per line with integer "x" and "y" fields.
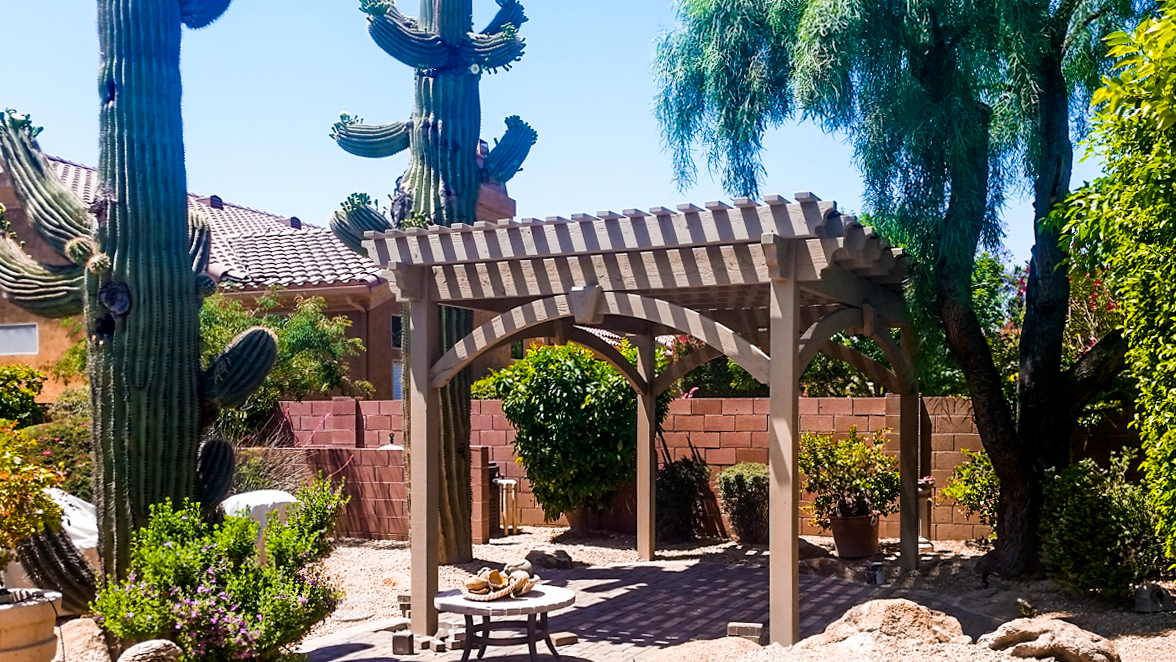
{"x": 682, "y": 489}
{"x": 71, "y": 403}
{"x": 848, "y": 478}
{"x": 203, "y": 587}
{"x": 976, "y": 488}
{"x": 65, "y": 445}
{"x": 743, "y": 492}
{"x": 19, "y": 387}
{"x": 25, "y": 508}
{"x": 1098, "y": 531}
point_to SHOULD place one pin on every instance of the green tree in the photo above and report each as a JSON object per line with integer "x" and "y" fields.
{"x": 19, "y": 387}
{"x": 1125, "y": 222}
{"x": 941, "y": 100}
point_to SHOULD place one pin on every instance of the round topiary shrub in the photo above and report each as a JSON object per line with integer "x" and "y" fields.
{"x": 743, "y": 492}
{"x": 1098, "y": 530}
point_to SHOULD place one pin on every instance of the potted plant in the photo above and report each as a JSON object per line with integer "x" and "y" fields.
{"x": 853, "y": 482}
{"x": 27, "y": 616}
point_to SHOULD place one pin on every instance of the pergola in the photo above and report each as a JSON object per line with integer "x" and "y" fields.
{"x": 765, "y": 284}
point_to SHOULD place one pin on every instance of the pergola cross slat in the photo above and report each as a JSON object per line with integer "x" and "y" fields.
{"x": 766, "y": 284}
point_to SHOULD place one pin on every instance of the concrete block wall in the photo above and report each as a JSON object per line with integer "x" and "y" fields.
{"x": 374, "y": 479}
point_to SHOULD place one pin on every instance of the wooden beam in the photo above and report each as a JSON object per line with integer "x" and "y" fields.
{"x": 605, "y": 352}
{"x": 646, "y": 450}
{"x": 837, "y": 284}
{"x": 678, "y": 369}
{"x": 908, "y": 468}
{"x": 817, "y": 335}
{"x": 868, "y": 366}
{"x": 424, "y": 401}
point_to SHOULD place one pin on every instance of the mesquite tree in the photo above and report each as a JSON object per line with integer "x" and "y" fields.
{"x": 446, "y": 170}
{"x": 136, "y": 272}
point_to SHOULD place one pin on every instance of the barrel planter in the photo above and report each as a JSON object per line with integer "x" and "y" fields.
{"x": 855, "y": 537}
{"x": 27, "y": 617}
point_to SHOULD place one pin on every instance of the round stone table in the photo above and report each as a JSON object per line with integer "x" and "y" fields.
{"x": 534, "y": 605}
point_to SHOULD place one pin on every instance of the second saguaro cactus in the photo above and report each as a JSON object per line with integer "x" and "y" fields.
{"x": 446, "y": 171}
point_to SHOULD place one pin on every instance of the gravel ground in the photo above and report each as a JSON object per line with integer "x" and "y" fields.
{"x": 373, "y": 573}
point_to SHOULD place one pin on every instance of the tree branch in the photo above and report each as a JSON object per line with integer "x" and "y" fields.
{"x": 373, "y": 141}
{"x": 399, "y": 37}
{"x": 42, "y": 290}
{"x": 508, "y": 155}
{"x": 1096, "y": 368}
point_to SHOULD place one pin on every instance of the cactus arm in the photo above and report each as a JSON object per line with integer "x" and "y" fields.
{"x": 241, "y": 368}
{"x": 374, "y": 141}
{"x": 504, "y": 161}
{"x": 214, "y": 474}
{"x": 54, "y": 563}
{"x": 510, "y": 12}
{"x": 53, "y": 210}
{"x": 199, "y": 242}
{"x": 48, "y": 291}
{"x": 497, "y": 50}
{"x": 355, "y": 218}
{"x": 199, "y": 13}
{"x": 399, "y": 37}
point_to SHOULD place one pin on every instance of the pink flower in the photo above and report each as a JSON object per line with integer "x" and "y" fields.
{"x": 690, "y": 393}
{"x": 47, "y": 453}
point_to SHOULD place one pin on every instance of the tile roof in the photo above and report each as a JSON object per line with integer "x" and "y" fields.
{"x": 252, "y": 248}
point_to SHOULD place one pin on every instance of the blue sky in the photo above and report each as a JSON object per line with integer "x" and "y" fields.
{"x": 263, "y": 85}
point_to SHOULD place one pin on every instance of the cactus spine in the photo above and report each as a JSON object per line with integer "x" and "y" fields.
{"x": 139, "y": 273}
{"x": 445, "y": 173}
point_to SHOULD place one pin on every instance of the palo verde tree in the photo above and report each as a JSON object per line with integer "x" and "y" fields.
{"x": 135, "y": 269}
{"x": 946, "y": 104}
{"x": 446, "y": 170}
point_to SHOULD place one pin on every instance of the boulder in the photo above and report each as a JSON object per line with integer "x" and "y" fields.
{"x": 897, "y": 618}
{"x": 827, "y": 566}
{"x": 549, "y": 557}
{"x": 811, "y": 551}
{"x": 156, "y": 650}
{"x": 81, "y": 640}
{"x": 1152, "y": 598}
{"x": 713, "y": 650}
{"x": 1044, "y": 637}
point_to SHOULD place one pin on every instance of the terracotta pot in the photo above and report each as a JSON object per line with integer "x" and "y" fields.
{"x": 27, "y": 617}
{"x": 855, "y": 537}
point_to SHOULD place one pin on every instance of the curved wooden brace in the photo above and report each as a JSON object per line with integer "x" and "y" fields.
{"x": 678, "y": 369}
{"x": 902, "y": 367}
{"x": 608, "y": 353}
{"x": 817, "y": 335}
{"x": 531, "y": 314}
{"x": 868, "y": 366}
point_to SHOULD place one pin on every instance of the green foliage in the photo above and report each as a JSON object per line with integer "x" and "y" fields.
{"x": 65, "y": 445}
{"x": 1124, "y": 226}
{"x": 682, "y": 489}
{"x": 718, "y": 378}
{"x": 976, "y": 488}
{"x": 203, "y": 586}
{"x": 71, "y": 403}
{"x": 268, "y": 468}
{"x": 25, "y": 508}
{"x": 850, "y": 477}
{"x": 1098, "y": 531}
{"x": 743, "y": 493}
{"x": 19, "y": 387}
{"x": 576, "y": 424}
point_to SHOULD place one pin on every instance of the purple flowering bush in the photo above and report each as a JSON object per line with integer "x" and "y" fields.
{"x": 203, "y": 586}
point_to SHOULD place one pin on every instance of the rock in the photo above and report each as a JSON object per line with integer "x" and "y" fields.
{"x": 827, "y": 566}
{"x": 1151, "y": 598}
{"x": 549, "y": 557}
{"x": 1044, "y": 637}
{"x": 900, "y": 619}
{"x": 156, "y": 650}
{"x": 351, "y": 615}
{"x": 82, "y": 641}
{"x": 811, "y": 551}
{"x": 713, "y": 650}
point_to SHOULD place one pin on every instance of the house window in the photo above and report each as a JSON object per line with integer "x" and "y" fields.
{"x": 18, "y": 339}
{"x": 397, "y": 380}
{"x": 397, "y": 331}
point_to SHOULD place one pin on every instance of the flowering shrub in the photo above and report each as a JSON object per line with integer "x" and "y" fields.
{"x": 25, "y": 507}
{"x": 850, "y": 477}
{"x": 976, "y": 488}
{"x": 203, "y": 587}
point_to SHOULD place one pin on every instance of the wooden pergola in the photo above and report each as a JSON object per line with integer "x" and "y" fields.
{"x": 765, "y": 284}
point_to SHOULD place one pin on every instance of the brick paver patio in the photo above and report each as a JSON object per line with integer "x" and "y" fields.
{"x": 624, "y": 612}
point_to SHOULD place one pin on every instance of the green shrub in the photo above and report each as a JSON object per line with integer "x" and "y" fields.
{"x": 1098, "y": 531}
{"x": 64, "y": 444}
{"x": 682, "y": 489}
{"x": 19, "y": 387}
{"x": 25, "y": 508}
{"x": 203, "y": 587}
{"x": 743, "y": 492}
{"x": 71, "y": 403}
{"x": 976, "y": 488}
{"x": 848, "y": 478}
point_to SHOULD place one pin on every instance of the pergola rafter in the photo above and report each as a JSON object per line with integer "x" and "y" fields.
{"x": 765, "y": 284}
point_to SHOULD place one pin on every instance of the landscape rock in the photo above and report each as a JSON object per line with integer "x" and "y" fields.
{"x": 1044, "y": 637}
{"x": 896, "y": 618}
{"x": 156, "y": 650}
{"x": 811, "y": 551}
{"x": 1152, "y": 598}
{"x": 81, "y": 640}
{"x": 549, "y": 557}
{"x": 713, "y": 650}
{"x": 827, "y": 566}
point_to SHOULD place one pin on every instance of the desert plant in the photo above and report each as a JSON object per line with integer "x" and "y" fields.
{"x": 848, "y": 478}
{"x": 26, "y": 508}
{"x": 743, "y": 493}
{"x": 204, "y": 587}
{"x": 1098, "y": 531}
{"x": 72, "y": 403}
{"x": 683, "y": 486}
{"x": 975, "y": 488}
{"x": 64, "y": 445}
{"x": 19, "y": 387}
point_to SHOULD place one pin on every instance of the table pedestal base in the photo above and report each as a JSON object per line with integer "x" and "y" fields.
{"x": 479, "y": 635}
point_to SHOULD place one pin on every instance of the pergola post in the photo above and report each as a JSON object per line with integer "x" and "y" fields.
{"x": 783, "y": 447}
{"x": 424, "y": 404}
{"x": 646, "y": 449}
{"x": 909, "y": 415}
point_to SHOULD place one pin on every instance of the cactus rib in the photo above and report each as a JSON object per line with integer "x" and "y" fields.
{"x": 396, "y": 35}
{"x": 510, "y": 12}
{"x": 199, "y": 242}
{"x": 53, "y": 210}
{"x": 49, "y": 291}
{"x": 497, "y": 50}
{"x": 504, "y": 161}
{"x": 53, "y": 563}
{"x": 240, "y": 370}
{"x": 200, "y": 13}
{"x": 214, "y": 474}
{"x": 373, "y": 141}
{"x": 350, "y": 223}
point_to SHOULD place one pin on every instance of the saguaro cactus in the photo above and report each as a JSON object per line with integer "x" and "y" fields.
{"x": 137, "y": 273}
{"x": 445, "y": 173}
